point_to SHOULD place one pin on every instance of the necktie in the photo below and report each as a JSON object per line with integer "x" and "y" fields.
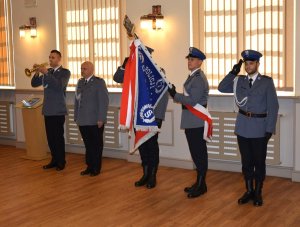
{"x": 250, "y": 82}
{"x": 85, "y": 82}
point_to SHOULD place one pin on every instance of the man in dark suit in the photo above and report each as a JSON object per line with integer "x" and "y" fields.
{"x": 54, "y": 80}
{"x": 90, "y": 112}
{"x": 256, "y": 97}
{"x": 196, "y": 91}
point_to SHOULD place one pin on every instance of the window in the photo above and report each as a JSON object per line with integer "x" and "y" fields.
{"x": 6, "y": 66}
{"x": 224, "y": 28}
{"x": 90, "y": 31}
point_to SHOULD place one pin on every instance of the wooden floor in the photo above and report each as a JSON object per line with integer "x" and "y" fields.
{"x": 31, "y": 196}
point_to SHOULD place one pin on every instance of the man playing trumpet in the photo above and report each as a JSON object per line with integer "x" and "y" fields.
{"x": 54, "y": 80}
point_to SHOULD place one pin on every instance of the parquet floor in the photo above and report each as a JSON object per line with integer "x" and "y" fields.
{"x": 31, "y": 196}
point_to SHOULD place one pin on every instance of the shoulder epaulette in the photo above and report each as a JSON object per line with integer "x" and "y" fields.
{"x": 199, "y": 72}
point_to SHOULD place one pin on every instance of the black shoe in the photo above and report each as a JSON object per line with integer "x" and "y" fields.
{"x": 85, "y": 172}
{"x": 189, "y": 189}
{"x": 94, "y": 173}
{"x": 258, "y": 200}
{"x": 49, "y": 165}
{"x": 151, "y": 183}
{"x": 197, "y": 192}
{"x": 246, "y": 198}
{"x": 60, "y": 167}
{"x": 200, "y": 187}
{"x": 144, "y": 178}
{"x": 249, "y": 194}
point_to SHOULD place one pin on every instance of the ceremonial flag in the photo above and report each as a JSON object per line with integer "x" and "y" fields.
{"x": 144, "y": 86}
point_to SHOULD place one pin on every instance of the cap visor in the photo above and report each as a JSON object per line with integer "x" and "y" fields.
{"x": 192, "y": 56}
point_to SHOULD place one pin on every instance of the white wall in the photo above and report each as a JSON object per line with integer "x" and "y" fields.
{"x": 297, "y": 90}
{"x": 32, "y": 50}
{"x": 170, "y": 45}
{"x": 297, "y": 48}
{"x": 297, "y": 141}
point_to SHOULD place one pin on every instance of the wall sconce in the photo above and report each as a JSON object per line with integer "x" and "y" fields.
{"x": 31, "y": 27}
{"x": 154, "y": 20}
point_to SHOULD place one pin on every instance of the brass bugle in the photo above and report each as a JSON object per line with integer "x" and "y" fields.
{"x": 28, "y": 72}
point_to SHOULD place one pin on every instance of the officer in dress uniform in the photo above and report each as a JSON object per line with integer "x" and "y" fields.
{"x": 255, "y": 95}
{"x": 54, "y": 80}
{"x": 195, "y": 91}
{"x": 149, "y": 150}
{"x": 90, "y": 112}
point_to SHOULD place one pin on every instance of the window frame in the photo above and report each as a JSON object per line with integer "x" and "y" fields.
{"x": 197, "y": 38}
{"x": 62, "y": 43}
{"x": 9, "y": 45}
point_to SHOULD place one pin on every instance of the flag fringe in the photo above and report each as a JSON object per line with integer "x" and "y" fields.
{"x": 147, "y": 128}
{"x": 141, "y": 141}
{"x": 123, "y": 128}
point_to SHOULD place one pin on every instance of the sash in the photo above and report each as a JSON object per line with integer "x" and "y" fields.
{"x": 202, "y": 113}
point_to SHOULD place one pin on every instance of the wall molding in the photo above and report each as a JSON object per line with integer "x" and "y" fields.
{"x": 296, "y": 176}
{"x": 9, "y": 142}
{"x": 230, "y": 166}
{"x": 168, "y": 162}
{"x": 221, "y": 165}
{"x": 29, "y": 91}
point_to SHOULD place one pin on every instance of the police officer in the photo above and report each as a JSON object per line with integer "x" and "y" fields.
{"x": 149, "y": 150}
{"x": 195, "y": 91}
{"x": 255, "y": 95}
{"x": 90, "y": 112}
{"x": 54, "y": 80}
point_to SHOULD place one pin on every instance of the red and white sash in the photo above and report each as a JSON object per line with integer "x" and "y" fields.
{"x": 202, "y": 113}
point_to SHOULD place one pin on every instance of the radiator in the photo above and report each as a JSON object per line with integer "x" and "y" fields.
{"x": 224, "y": 145}
{"x": 6, "y": 118}
{"x": 110, "y": 136}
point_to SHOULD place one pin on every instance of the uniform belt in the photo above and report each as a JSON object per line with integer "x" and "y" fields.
{"x": 184, "y": 107}
{"x": 250, "y": 114}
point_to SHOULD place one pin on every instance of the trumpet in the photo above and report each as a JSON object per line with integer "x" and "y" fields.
{"x": 28, "y": 72}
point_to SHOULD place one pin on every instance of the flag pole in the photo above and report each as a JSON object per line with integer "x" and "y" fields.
{"x": 130, "y": 28}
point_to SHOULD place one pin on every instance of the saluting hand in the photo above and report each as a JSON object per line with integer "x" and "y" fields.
{"x": 172, "y": 91}
{"x": 237, "y": 67}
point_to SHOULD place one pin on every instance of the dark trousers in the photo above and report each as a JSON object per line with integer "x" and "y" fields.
{"x": 149, "y": 152}
{"x": 55, "y": 135}
{"x": 198, "y": 148}
{"x": 253, "y": 152}
{"x": 93, "y": 140}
